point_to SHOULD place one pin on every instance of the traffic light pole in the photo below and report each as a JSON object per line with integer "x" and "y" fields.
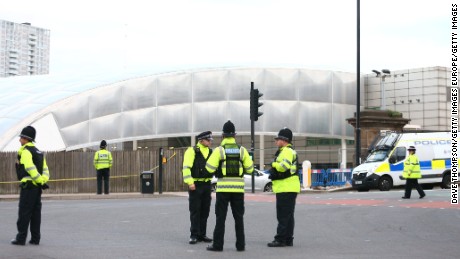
{"x": 252, "y": 146}
{"x": 160, "y": 171}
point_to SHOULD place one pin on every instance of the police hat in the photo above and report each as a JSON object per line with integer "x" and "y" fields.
{"x": 205, "y": 135}
{"x": 228, "y": 130}
{"x": 28, "y": 133}
{"x": 285, "y": 134}
{"x": 411, "y": 148}
{"x": 103, "y": 144}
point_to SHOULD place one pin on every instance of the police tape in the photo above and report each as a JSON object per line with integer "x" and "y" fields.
{"x": 77, "y": 179}
{"x": 94, "y": 178}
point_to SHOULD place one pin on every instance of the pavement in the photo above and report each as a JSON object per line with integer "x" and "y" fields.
{"x": 131, "y": 195}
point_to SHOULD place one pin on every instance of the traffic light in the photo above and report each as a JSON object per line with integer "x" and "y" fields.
{"x": 255, "y": 104}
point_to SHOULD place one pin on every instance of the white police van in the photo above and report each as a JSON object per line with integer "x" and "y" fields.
{"x": 384, "y": 165}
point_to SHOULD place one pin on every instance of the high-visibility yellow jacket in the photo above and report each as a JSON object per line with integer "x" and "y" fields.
{"x": 412, "y": 168}
{"x": 189, "y": 163}
{"x": 218, "y": 158}
{"x": 26, "y": 162}
{"x": 102, "y": 159}
{"x": 285, "y": 162}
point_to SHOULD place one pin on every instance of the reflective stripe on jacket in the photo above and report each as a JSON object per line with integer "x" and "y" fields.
{"x": 26, "y": 160}
{"x": 285, "y": 162}
{"x": 189, "y": 160}
{"x": 102, "y": 159}
{"x": 412, "y": 168}
{"x": 229, "y": 184}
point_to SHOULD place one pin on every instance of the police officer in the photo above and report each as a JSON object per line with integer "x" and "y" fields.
{"x": 411, "y": 173}
{"x": 102, "y": 162}
{"x": 229, "y": 161}
{"x": 33, "y": 174}
{"x": 199, "y": 186}
{"x": 286, "y": 186}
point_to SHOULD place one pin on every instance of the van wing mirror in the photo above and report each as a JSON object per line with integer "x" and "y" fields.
{"x": 392, "y": 159}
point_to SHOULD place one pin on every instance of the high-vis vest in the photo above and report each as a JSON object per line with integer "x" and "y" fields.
{"x": 232, "y": 161}
{"x": 412, "y": 168}
{"x": 285, "y": 163}
{"x": 102, "y": 159}
{"x": 194, "y": 165}
{"x": 32, "y": 165}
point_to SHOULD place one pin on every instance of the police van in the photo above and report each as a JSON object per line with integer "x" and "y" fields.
{"x": 384, "y": 165}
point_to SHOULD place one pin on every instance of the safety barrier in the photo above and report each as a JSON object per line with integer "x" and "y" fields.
{"x": 330, "y": 177}
{"x": 318, "y": 177}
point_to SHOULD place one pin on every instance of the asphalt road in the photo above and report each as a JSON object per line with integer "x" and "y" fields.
{"x": 328, "y": 225}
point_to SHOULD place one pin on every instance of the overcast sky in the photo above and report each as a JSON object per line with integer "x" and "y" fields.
{"x": 95, "y": 36}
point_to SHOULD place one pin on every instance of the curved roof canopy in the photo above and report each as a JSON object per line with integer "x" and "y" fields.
{"x": 79, "y": 112}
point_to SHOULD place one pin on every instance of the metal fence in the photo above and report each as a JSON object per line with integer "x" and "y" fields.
{"x": 330, "y": 177}
{"x": 73, "y": 172}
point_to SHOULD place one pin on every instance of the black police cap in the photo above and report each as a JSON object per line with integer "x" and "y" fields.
{"x": 204, "y": 135}
{"x": 285, "y": 134}
{"x": 29, "y": 133}
{"x": 228, "y": 129}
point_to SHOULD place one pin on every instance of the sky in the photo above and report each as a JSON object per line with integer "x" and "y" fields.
{"x": 98, "y": 36}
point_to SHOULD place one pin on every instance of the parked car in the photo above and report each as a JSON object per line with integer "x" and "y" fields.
{"x": 261, "y": 182}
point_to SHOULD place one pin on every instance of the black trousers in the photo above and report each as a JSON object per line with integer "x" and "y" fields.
{"x": 285, "y": 206}
{"x": 30, "y": 212}
{"x": 103, "y": 174}
{"x": 236, "y": 201}
{"x": 199, "y": 204}
{"x": 410, "y": 183}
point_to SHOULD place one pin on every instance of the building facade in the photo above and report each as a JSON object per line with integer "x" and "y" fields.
{"x": 24, "y": 49}
{"x": 421, "y": 95}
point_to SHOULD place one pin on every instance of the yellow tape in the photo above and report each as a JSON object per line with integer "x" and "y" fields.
{"x": 78, "y": 179}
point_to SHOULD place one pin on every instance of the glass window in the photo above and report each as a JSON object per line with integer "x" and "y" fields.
{"x": 398, "y": 155}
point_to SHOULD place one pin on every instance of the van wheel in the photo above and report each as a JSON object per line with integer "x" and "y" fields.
{"x": 268, "y": 187}
{"x": 385, "y": 183}
{"x": 446, "y": 183}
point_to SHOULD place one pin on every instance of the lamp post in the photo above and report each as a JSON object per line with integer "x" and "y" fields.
{"x": 382, "y": 75}
{"x": 358, "y": 83}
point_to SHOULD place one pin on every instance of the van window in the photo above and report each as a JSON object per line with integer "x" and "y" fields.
{"x": 377, "y": 155}
{"x": 398, "y": 155}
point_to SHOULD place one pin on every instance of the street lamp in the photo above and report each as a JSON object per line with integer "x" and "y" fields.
{"x": 386, "y": 72}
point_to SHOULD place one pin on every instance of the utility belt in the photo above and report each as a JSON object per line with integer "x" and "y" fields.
{"x": 275, "y": 175}
{"x": 29, "y": 185}
{"x": 202, "y": 182}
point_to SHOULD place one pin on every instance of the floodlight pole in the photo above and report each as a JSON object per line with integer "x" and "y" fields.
{"x": 358, "y": 92}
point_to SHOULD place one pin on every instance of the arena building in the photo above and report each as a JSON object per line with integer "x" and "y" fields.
{"x": 169, "y": 109}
